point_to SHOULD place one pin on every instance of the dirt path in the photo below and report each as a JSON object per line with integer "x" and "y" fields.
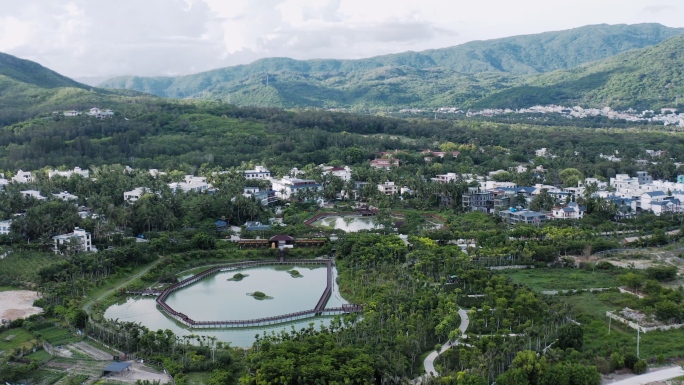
{"x": 88, "y": 305}
{"x": 92, "y": 351}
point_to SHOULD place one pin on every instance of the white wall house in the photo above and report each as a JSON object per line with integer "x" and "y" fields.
{"x": 388, "y": 188}
{"x": 69, "y": 173}
{"x": 259, "y": 172}
{"x": 286, "y": 187}
{"x": 5, "y": 226}
{"x": 23, "y": 177}
{"x": 65, "y": 196}
{"x": 191, "y": 183}
{"x": 80, "y": 239}
{"x": 568, "y": 211}
{"x": 343, "y": 173}
{"x": 32, "y": 194}
{"x": 446, "y": 178}
{"x": 135, "y": 194}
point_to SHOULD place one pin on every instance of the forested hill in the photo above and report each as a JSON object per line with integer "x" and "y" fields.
{"x": 459, "y": 75}
{"x": 28, "y": 89}
{"x": 26, "y": 71}
{"x": 652, "y": 77}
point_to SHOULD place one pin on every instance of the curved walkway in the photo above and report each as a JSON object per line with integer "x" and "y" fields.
{"x": 429, "y": 362}
{"x": 659, "y": 375}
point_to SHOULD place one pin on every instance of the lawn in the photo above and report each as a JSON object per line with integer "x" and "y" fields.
{"x": 197, "y": 378}
{"x": 44, "y": 377}
{"x": 563, "y": 279}
{"x": 57, "y": 336}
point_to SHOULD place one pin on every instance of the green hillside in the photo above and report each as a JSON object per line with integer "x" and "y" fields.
{"x": 458, "y": 75}
{"x": 26, "y": 71}
{"x": 28, "y": 89}
{"x": 648, "y": 78}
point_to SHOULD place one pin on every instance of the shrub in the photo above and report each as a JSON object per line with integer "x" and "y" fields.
{"x": 630, "y": 360}
{"x": 617, "y": 361}
{"x": 640, "y": 367}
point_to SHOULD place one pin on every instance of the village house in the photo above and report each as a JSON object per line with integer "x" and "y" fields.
{"x": 388, "y": 188}
{"x": 385, "y": 163}
{"x": 5, "y": 227}
{"x": 71, "y": 114}
{"x": 191, "y": 184}
{"x": 446, "y": 178}
{"x": 23, "y": 177}
{"x": 514, "y": 216}
{"x": 69, "y": 173}
{"x": 135, "y": 194}
{"x": 65, "y": 196}
{"x": 286, "y": 187}
{"x": 259, "y": 172}
{"x": 570, "y": 210}
{"x": 343, "y": 173}
{"x": 77, "y": 241}
{"x": 32, "y": 194}
{"x": 478, "y": 199}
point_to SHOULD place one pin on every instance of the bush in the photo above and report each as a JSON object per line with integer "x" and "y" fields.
{"x": 617, "y": 361}
{"x": 630, "y": 360}
{"x": 640, "y": 367}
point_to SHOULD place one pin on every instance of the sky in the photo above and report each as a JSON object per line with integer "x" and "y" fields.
{"x": 103, "y": 38}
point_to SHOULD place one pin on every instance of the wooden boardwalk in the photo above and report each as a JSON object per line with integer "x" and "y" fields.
{"x": 320, "y": 308}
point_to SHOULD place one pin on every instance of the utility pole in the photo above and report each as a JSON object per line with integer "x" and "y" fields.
{"x": 638, "y": 338}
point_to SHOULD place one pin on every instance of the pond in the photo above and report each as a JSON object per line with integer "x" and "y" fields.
{"x": 215, "y": 298}
{"x": 348, "y": 223}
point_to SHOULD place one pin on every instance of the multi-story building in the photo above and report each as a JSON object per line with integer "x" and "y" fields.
{"x": 65, "y": 196}
{"x": 388, "y": 188}
{"x": 77, "y": 241}
{"x": 23, "y": 177}
{"x": 135, "y": 194}
{"x": 5, "y": 226}
{"x": 32, "y": 194}
{"x": 343, "y": 173}
{"x": 513, "y": 216}
{"x": 287, "y": 187}
{"x": 191, "y": 184}
{"x": 478, "y": 199}
{"x": 259, "y": 172}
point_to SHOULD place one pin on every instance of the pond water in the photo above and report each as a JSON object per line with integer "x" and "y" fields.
{"x": 215, "y": 298}
{"x": 348, "y": 223}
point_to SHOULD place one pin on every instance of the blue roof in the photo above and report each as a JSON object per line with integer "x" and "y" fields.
{"x": 655, "y": 193}
{"x": 221, "y": 223}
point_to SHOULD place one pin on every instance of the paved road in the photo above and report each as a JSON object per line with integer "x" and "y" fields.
{"x": 660, "y": 375}
{"x": 429, "y": 362}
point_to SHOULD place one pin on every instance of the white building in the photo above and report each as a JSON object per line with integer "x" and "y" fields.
{"x": 100, "y": 114}
{"x": 32, "y": 194}
{"x": 191, "y": 183}
{"x": 135, "y": 194}
{"x": 65, "y": 196}
{"x": 568, "y": 211}
{"x": 388, "y": 188}
{"x": 79, "y": 239}
{"x": 71, "y": 114}
{"x": 343, "y": 173}
{"x": 541, "y": 152}
{"x": 5, "y": 226}
{"x": 69, "y": 173}
{"x": 23, "y": 177}
{"x": 259, "y": 172}
{"x": 286, "y": 187}
{"x": 446, "y": 178}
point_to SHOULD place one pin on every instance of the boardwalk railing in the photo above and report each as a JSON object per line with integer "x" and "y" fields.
{"x": 318, "y": 310}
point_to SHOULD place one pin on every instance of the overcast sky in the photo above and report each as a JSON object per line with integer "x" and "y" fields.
{"x": 102, "y": 38}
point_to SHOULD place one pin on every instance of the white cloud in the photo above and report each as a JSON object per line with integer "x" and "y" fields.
{"x": 157, "y": 37}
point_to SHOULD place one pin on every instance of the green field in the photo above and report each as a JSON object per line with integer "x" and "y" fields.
{"x": 563, "y": 279}
{"x": 44, "y": 377}
{"x": 57, "y": 336}
{"x": 590, "y": 311}
{"x": 15, "y": 339}
{"x": 20, "y": 267}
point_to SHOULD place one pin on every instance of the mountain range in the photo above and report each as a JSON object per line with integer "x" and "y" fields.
{"x": 637, "y": 66}
{"x": 508, "y": 72}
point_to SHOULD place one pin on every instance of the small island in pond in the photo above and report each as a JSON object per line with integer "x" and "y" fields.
{"x": 238, "y": 277}
{"x": 294, "y": 273}
{"x": 259, "y": 295}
